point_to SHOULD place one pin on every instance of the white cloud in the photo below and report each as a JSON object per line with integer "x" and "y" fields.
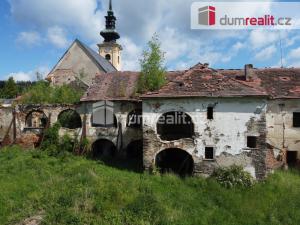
{"x": 30, "y": 75}
{"x": 57, "y": 36}
{"x": 130, "y": 55}
{"x": 262, "y": 38}
{"x": 238, "y": 46}
{"x": 295, "y": 53}
{"x": 29, "y": 38}
{"x": 266, "y": 53}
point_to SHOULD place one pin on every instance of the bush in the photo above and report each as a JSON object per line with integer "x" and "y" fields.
{"x": 233, "y": 176}
{"x": 51, "y": 137}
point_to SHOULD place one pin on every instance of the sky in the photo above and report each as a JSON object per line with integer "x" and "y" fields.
{"x": 34, "y": 34}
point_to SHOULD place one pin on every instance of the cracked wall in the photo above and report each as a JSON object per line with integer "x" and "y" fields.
{"x": 234, "y": 120}
{"x": 281, "y": 135}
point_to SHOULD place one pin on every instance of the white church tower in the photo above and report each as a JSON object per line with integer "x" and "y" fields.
{"x": 110, "y": 49}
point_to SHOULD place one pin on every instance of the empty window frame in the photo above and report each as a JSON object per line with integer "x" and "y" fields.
{"x": 251, "y": 142}
{"x": 296, "y": 119}
{"x": 209, "y": 153}
{"x": 210, "y": 113}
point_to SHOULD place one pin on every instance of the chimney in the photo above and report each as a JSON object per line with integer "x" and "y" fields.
{"x": 249, "y": 73}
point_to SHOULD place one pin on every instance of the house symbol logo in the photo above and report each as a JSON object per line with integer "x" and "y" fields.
{"x": 207, "y": 15}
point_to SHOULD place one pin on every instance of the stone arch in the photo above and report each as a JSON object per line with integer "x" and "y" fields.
{"x": 135, "y": 119}
{"x": 134, "y": 150}
{"x": 175, "y": 125}
{"x": 36, "y": 119}
{"x": 70, "y": 119}
{"x": 175, "y": 160}
{"x": 103, "y": 148}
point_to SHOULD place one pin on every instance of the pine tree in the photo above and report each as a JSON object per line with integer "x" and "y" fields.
{"x": 10, "y": 89}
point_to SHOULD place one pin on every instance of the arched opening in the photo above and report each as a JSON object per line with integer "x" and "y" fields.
{"x": 135, "y": 119}
{"x": 36, "y": 119}
{"x": 175, "y": 125}
{"x": 70, "y": 119}
{"x": 108, "y": 57}
{"x": 135, "y": 150}
{"x": 103, "y": 148}
{"x": 176, "y": 161}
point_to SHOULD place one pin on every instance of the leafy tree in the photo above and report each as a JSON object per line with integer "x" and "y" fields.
{"x": 153, "y": 72}
{"x": 43, "y": 93}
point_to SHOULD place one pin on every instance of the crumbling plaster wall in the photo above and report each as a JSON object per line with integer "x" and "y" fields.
{"x": 234, "y": 119}
{"x": 280, "y": 131}
{"x": 5, "y": 121}
{"x": 120, "y": 138}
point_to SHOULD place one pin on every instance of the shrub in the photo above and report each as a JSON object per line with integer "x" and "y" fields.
{"x": 233, "y": 176}
{"x": 51, "y": 137}
{"x": 66, "y": 143}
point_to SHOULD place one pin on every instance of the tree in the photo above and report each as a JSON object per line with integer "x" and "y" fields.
{"x": 10, "y": 89}
{"x": 153, "y": 72}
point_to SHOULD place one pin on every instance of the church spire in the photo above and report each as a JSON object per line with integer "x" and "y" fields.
{"x": 110, "y": 34}
{"x": 110, "y": 5}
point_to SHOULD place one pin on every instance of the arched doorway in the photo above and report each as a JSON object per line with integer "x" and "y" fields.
{"x": 176, "y": 161}
{"x": 135, "y": 150}
{"x": 174, "y": 126}
{"x": 69, "y": 119}
{"x": 103, "y": 148}
{"x": 36, "y": 120}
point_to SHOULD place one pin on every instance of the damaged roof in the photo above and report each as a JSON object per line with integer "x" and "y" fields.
{"x": 277, "y": 82}
{"x": 113, "y": 86}
{"x": 200, "y": 81}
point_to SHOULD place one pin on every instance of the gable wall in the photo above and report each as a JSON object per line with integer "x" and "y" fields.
{"x": 76, "y": 60}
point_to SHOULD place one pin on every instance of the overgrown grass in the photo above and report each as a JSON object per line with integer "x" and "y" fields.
{"x": 74, "y": 190}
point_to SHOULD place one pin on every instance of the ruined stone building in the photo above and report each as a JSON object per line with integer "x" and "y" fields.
{"x": 248, "y": 117}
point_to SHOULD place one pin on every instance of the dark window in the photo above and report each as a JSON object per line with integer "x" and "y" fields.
{"x": 251, "y": 142}
{"x": 108, "y": 57}
{"x": 209, "y": 153}
{"x": 296, "y": 119}
{"x": 210, "y": 113}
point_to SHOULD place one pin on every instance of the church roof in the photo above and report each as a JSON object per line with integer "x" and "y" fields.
{"x": 101, "y": 62}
